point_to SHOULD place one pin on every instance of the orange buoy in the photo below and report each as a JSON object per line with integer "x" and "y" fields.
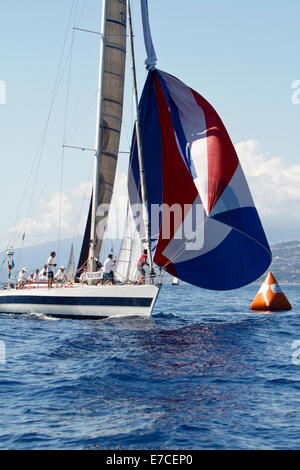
{"x": 270, "y": 296}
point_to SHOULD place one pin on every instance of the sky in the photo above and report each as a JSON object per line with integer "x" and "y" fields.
{"x": 242, "y": 56}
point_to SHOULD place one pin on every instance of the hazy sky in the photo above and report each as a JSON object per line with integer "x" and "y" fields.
{"x": 242, "y": 56}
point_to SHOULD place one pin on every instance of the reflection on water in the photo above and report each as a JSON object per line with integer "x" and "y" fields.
{"x": 203, "y": 372}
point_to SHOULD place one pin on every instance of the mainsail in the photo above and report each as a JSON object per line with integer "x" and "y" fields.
{"x": 111, "y": 103}
{"x": 113, "y": 91}
{"x": 194, "y": 178}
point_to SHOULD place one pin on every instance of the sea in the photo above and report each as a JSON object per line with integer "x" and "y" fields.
{"x": 204, "y": 372}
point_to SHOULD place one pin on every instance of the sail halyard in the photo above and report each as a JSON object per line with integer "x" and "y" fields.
{"x": 109, "y": 118}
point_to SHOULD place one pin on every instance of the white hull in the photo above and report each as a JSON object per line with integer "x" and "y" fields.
{"x": 81, "y": 302}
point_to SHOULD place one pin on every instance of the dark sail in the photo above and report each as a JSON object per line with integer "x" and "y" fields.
{"x": 85, "y": 243}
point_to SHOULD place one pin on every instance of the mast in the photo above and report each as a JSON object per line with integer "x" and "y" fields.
{"x": 139, "y": 147}
{"x": 91, "y": 259}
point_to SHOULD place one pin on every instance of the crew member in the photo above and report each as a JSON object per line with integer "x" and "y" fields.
{"x": 109, "y": 263}
{"x": 141, "y": 269}
{"x": 50, "y": 268}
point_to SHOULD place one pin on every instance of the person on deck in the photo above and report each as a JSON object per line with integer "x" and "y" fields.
{"x": 50, "y": 268}
{"x": 36, "y": 276}
{"x": 21, "y": 278}
{"x": 60, "y": 276}
{"x": 30, "y": 279}
{"x": 43, "y": 274}
{"x": 141, "y": 267}
{"x": 83, "y": 279}
{"x": 100, "y": 271}
{"x": 109, "y": 263}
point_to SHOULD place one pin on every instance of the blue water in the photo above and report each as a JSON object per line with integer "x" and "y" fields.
{"x": 203, "y": 373}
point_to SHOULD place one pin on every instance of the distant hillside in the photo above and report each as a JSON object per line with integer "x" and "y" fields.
{"x": 36, "y": 256}
{"x": 286, "y": 262}
{"x": 285, "y": 265}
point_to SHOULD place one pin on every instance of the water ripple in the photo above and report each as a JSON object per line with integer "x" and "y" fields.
{"x": 204, "y": 372}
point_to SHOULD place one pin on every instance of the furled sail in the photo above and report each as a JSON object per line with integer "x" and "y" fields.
{"x": 205, "y": 229}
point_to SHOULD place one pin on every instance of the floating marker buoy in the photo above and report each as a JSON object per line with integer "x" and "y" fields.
{"x": 270, "y": 296}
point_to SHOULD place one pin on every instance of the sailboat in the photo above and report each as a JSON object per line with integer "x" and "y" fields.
{"x": 188, "y": 197}
{"x": 175, "y": 281}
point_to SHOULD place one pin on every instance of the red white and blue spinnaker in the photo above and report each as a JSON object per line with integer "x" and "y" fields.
{"x": 190, "y": 162}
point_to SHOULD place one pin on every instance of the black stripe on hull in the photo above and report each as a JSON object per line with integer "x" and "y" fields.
{"x": 77, "y": 301}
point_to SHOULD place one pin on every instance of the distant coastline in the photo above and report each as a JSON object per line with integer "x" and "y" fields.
{"x": 285, "y": 265}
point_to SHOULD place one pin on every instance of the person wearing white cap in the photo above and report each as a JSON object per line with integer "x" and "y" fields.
{"x": 60, "y": 276}
{"x": 21, "y": 278}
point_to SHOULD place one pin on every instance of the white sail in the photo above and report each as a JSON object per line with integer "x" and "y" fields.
{"x": 136, "y": 251}
{"x": 71, "y": 264}
{"x": 122, "y": 266}
{"x": 126, "y": 267}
